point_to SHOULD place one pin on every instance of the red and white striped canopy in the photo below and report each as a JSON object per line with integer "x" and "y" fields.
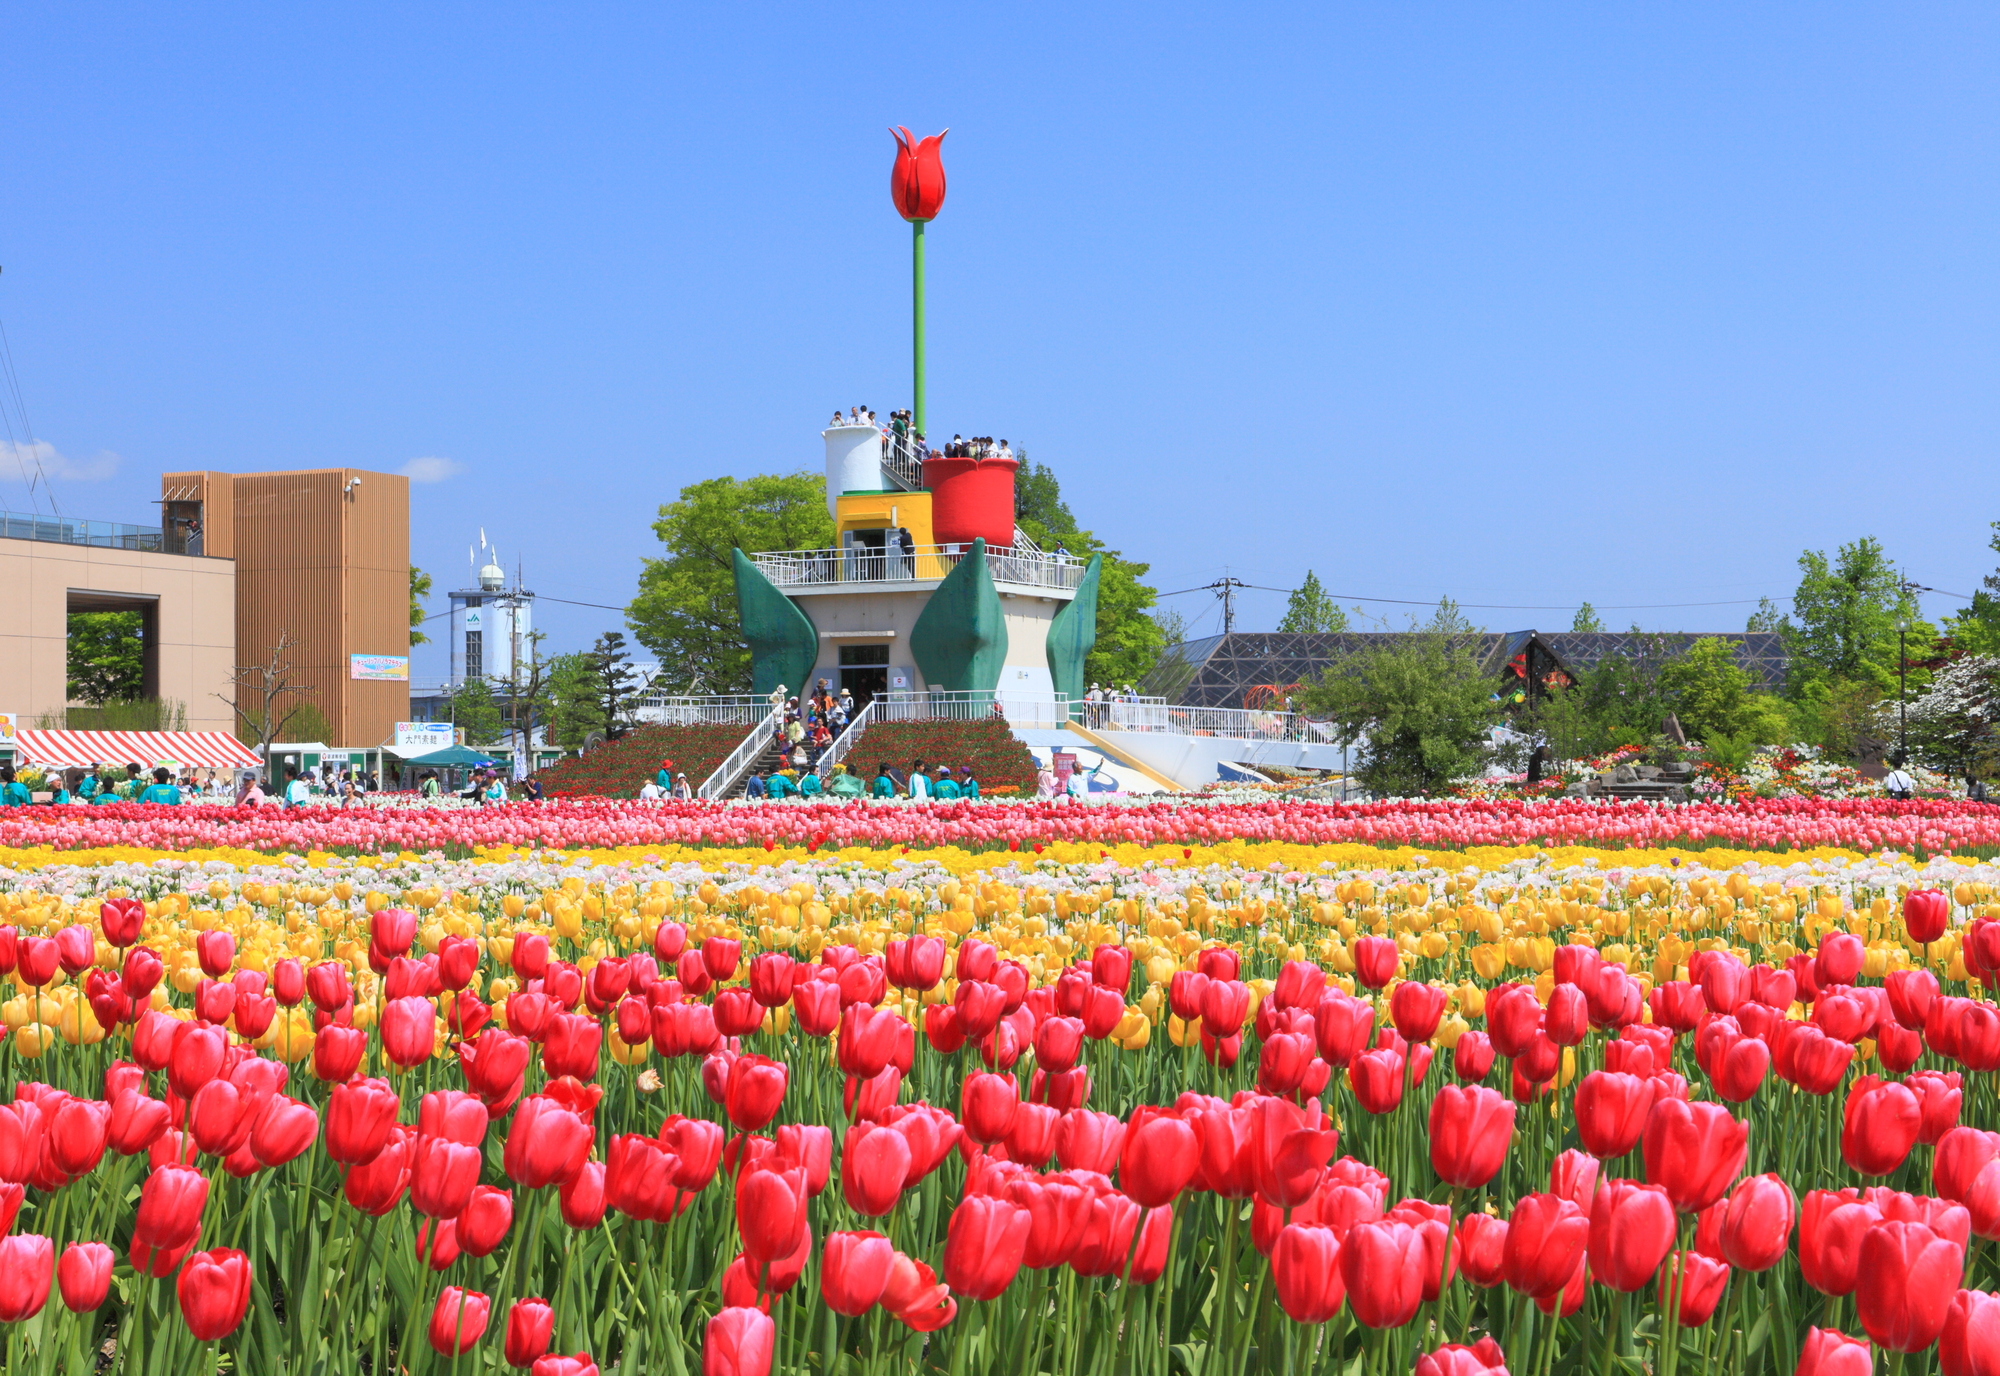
{"x": 199, "y": 749}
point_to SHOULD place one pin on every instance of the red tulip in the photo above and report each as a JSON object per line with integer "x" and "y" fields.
{"x": 337, "y": 1052}
{"x": 1089, "y": 1141}
{"x": 1381, "y": 1265}
{"x": 1300, "y": 984}
{"x": 984, "y": 1245}
{"x": 570, "y": 1046}
{"x": 1376, "y": 1077}
{"x": 916, "y": 182}
{"x": 136, "y": 1122}
{"x": 1472, "y": 1056}
{"x": 755, "y": 1089}
{"x": 1483, "y": 1358}
{"x": 1375, "y": 960}
{"x": 214, "y": 1291}
{"x": 771, "y": 1212}
{"x": 170, "y": 1205}
{"x": 458, "y": 1320}
{"x": 1305, "y": 1273}
{"x": 1546, "y": 1240}
{"x": 1839, "y": 958}
{"x": 854, "y": 1270}
{"x": 485, "y": 1219}
{"x": 283, "y": 1130}
{"x": 1829, "y": 1352}
{"x": 1831, "y": 1227}
{"x": 582, "y": 1198}
{"x": 1970, "y": 1342}
{"x": 1470, "y": 1130}
{"x": 359, "y": 1116}
{"x": 1416, "y": 1009}
{"x": 1880, "y": 1125}
{"x": 1059, "y": 1212}
{"x": 27, "y": 1264}
{"x": 1912, "y": 1275}
{"x": 77, "y": 1133}
{"x": 1757, "y": 1227}
{"x": 1159, "y": 1157}
{"x": 1482, "y": 1249}
{"x": 1939, "y": 1097}
{"x": 409, "y": 1030}
{"x": 1926, "y": 912}
{"x": 739, "y": 1342}
{"x": 546, "y": 1144}
{"x": 1700, "y": 1281}
{"x": 1695, "y": 1150}
{"x": 84, "y": 1274}
{"x": 875, "y": 1164}
{"x": 442, "y": 1176}
{"x": 1911, "y": 994}
{"x": 377, "y": 1185}
{"x": 1611, "y": 1112}
{"x": 1631, "y": 1232}
{"x": 531, "y": 1325}
{"x": 122, "y": 919}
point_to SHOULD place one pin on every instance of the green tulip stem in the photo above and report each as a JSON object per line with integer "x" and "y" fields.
{"x": 917, "y": 321}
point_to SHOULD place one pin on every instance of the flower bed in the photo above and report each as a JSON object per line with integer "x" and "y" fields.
{"x": 998, "y": 759}
{"x": 620, "y": 768}
{"x": 1321, "y": 1109}
{"x": 1756, "y": 824}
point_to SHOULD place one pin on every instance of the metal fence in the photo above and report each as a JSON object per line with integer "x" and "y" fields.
{"x": 1049, "y": 710}
{"x": 61, "y": 530}
{"x": 723, "y": 709}
{"x": 740, "y": 759}
{"x": 1228, "y": 722}
{"x": 844, "y": 742}
{"x": 793, "y": 568}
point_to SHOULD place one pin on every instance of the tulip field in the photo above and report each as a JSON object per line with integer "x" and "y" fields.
{"x": 1164, "y": 1090}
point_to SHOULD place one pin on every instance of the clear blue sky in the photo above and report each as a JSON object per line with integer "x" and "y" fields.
{"x": 1522, "y": 304}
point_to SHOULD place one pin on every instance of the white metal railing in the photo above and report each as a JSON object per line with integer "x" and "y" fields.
{"x": 1049, "y": 710}
{"x": 1229, "y": 722}
{"x": 755, "y": 744}
{"x": 844, "y": 742}
{"x": 795, "y": 568}
{"x": 902, "y": 460}
{"x": 721, "y": 709}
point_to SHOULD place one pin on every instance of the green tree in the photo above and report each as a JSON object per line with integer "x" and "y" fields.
{"x": 528, "y": 690}
{"x": 1129, "y": 640}
{"x": 614, "y": 683}
{"x": 420, "y": 588}
{"x": 573, "y": 708}
{"x": 1038, "y": 497}
{"x": 107, "y": 657}
{"x": 1586, "y": 620}
{"x": 1976, "y": 630}
{"x": 1420, "y": 706}
{"x": 1310, "y": 611}
{"x": 685, "y": 612}
{"x": 1708, "y": 691}
{"x": 1843, "y": 623}
{"x": 474, "y": 712}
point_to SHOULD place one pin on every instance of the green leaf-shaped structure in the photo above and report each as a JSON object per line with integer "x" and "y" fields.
{"x": 1073, "y": 633}
{"x": 960, "y": 640}
{"x": 784, "y": 644}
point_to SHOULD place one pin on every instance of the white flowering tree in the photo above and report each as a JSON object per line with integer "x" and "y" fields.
{"x": 1955, "y": 725}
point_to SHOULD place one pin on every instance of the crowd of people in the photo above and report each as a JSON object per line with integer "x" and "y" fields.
{"x": 978, "y": 447}
{"x": 166, "y": 784}
{"x": 906, "y": 439}
{"x": 921, "y": 782}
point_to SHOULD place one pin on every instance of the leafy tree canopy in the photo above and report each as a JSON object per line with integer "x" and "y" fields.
{"x": 686, "y": 611}
{"x": 1842, "y": 628}
{"x": 1586, "y": 620}
{"x": 474, "y": 711}
{"x": 1128, "y": 640}
{"x": 1310, "y": 611}
{"x": 1420, "y": 706}
{"x": 106, "y": 657}
{"x": 420, "y": 588}
{"x": 1976, "y": 630}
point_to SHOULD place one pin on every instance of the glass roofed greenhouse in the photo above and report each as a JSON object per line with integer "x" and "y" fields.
{"x": 1262, "y": 670}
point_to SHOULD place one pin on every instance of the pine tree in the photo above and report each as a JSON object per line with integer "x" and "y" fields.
{"x": 1311, "y": 611}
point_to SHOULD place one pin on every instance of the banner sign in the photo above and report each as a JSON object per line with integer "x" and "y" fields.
{"x": 389, "y": 668}
{"x": 422, "y": 737}
{"x": 7, "y": 721}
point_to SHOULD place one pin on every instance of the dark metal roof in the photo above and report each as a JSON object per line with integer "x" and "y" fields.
{"x": 1221, "y": 670}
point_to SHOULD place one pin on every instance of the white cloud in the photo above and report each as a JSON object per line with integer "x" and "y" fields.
{"x": 18, "y": 463}
{"x": 431, "y": 469}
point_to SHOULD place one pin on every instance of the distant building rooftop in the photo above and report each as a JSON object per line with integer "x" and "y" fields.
{"x": 67, "y": 530}
{"x": 1249, "y": 669}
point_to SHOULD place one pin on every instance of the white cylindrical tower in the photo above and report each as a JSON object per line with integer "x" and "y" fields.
{"x": 853, "y": 461}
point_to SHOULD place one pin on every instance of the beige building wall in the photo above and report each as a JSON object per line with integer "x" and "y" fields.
{"x": 842, "y": 618}
{"x": 195, "y": 610}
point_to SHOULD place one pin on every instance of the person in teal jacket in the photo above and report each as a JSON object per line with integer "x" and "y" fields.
{"x": 810, "y": 786}
{"x": 87, "y": 793}
{"x": 969, "y": 788}
{"x": 161, "y": 791}
{"x": 885, "y": 782}
{"x": 665, "y": 778}
{"x": 780, "y": 786}
{"x": 13, "y": 794}
{"x": 945, "y": 789}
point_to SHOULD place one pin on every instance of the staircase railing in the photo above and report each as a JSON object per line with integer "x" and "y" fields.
{"x": 901, "y": 463}
{"x": 845, "y": 741}
{"x": 731, "y": 769}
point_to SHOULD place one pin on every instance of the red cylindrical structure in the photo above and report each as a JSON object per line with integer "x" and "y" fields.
{"x": 971, "y": 499}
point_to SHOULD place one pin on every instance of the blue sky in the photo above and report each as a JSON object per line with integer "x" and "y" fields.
{"x": 1522, "y": 304}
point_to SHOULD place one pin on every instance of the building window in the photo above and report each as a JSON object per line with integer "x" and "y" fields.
{"x": 475, "y": 654}
{"x": 854, "y": 655}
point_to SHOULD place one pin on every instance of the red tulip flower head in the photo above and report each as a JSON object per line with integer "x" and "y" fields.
{"x": 1829, "y": 1352}
{"x": 1471, "y": 1129}
{"x": 1926, "y": 912}
{"x": 27, "y": 1264}
{"x": 531, "y": 1324}
{"x": 214, "y": 1291}
{"x": 1631, "y": 1232}
{"x": 1970, "y": 1343}
{"x": 916, "y": 182}
{"x": 1912, "y": 1275}
{"x": 84, "y": 1274}
{"x": 1695, "y": 1150}
{"x": 459, "y": 1320}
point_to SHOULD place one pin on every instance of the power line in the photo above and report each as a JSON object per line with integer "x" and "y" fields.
{"x": 1490, "y": 606}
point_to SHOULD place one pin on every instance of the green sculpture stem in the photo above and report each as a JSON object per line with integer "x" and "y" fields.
{"x": 917, "y": 277}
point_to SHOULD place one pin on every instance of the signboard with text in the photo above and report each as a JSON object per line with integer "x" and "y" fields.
{"x": 7, "y": 722}
{"x": 384, "y": 668}
{"x": 422, "y": 737}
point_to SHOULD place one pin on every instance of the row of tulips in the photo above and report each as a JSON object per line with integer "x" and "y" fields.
{"x": 674, "y": 1206}
{"x": 1859, "y": 824}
